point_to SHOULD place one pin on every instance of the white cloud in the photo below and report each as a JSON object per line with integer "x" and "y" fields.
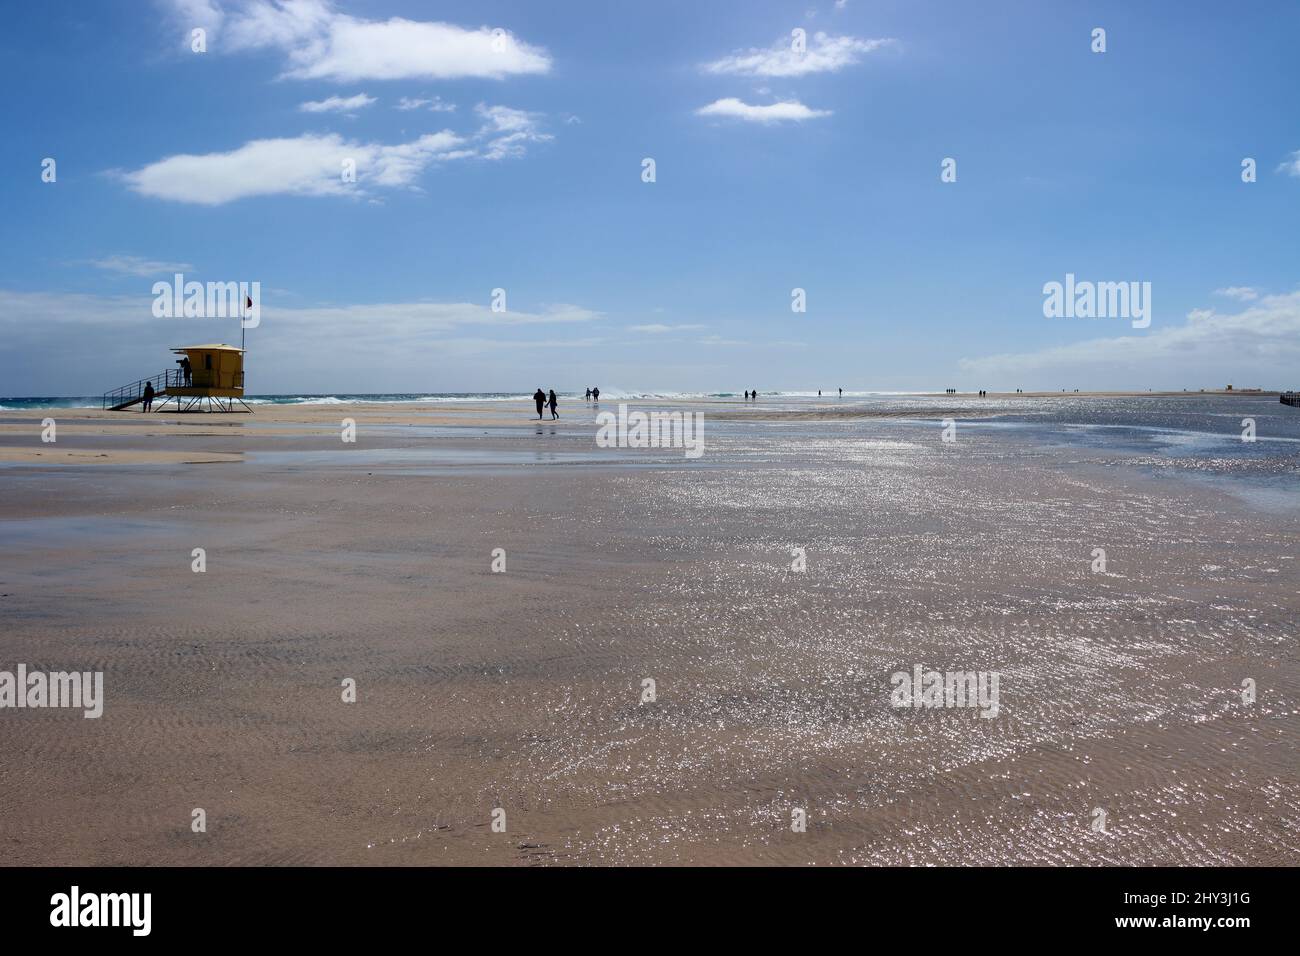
{"x": 337, "y": 104}
{"x": 720, "y": 341}
{"x": 658, "y": 328}
{"x": 1292, "y": 165}
{"x": 508, "y": 131}
{"x": 404, "y": 320}
{"x": 308, "y": 165}
{"x": 376, "y": 319}
{"x": 189, "y": 14}
{"x": 1239, "y": 292}
{"x": 312, "y": 164}
{"x": 1260, "y": 342}
{"x": 503, "y": 119}
{"x": 434, "y": 104}
{"x": 137, "y": 266}
{"x": 824, "y": 54}
{"x": 771, "y": 113}
{"x": 320, "y": 43}
{"x": 382, "y": 346}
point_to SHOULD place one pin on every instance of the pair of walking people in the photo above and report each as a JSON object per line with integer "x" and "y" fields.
{"x": 542, "y": 400}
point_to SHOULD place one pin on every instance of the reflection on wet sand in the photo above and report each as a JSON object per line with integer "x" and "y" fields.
{"x": 1120, "y": 693}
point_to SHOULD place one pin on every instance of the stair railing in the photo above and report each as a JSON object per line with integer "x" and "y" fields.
{"x": 135, "y": 391}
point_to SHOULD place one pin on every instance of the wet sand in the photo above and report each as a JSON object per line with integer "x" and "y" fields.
{"x": 1120, "y": 691}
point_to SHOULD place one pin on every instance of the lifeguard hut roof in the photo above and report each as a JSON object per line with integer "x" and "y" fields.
{"x": 216, "y": 347}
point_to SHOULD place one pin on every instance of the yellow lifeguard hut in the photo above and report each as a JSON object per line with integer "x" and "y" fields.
{"x": 208, "y": 378}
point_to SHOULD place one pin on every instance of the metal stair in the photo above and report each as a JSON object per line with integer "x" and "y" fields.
{"x": 128, "y": 395}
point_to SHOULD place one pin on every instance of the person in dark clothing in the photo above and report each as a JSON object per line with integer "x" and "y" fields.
{"x": 148, "y": 397}
{"x": 595, "y": 394}
{"x": 186, "y": 371}
{"x": 588, "y": 398}
{"x": 554, "y": 413}
{"x": 540, "y": 398}
{"x": 841, "y": 393}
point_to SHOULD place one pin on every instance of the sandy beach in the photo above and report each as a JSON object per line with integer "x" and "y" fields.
{"x": 524, "y": 691}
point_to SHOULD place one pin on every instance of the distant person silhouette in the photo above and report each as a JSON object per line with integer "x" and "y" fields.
{"x": 754, "y": 395}
{"x": 554, "y": 413}
{"x": 588, "y": 397}
{"x": 540, "y": 398}
{"x": 148, "y": 396}
{"x": 595, "y": 395}
{"x": 841, "y": 393}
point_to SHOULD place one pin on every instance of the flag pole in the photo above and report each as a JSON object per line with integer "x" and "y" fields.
{"x": 243, "y": 356}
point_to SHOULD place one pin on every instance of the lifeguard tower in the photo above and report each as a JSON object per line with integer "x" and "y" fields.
{"x": 214, "y": 382}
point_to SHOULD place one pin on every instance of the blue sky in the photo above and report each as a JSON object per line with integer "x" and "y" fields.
{"x": 519, "y": 166}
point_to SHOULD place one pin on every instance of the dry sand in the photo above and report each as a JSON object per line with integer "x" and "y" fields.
{"x": 1120, "y": 691}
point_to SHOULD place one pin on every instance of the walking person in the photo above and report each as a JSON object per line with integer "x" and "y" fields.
{"x": 554, "y": 413}
{"x": 595, "y": 395}
{"x": 588, "y": 396}
{"x": 540, "y": 398}
{"x": 148, "y": 397}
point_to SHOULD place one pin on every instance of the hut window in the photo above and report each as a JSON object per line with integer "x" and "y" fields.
{"x": 207, "y": 361}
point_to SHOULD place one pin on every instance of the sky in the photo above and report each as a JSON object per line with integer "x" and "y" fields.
{"x": 502, "y": 146}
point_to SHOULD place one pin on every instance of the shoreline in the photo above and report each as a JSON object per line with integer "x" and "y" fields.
{"x": 454, "y": 398}
{"x": 98, "y": 437}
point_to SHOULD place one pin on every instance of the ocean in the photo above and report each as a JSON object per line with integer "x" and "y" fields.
{"x": 15, "y": 403}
